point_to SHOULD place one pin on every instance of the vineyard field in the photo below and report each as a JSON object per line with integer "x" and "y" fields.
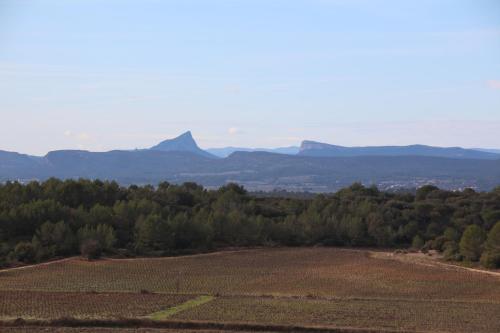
{"x": 325, "y": 272}
{"x": 54, "y": 305}
{"x": 303, "y": 287}
{"x": 106, "y": 330}
{"x": 382, "y": 314}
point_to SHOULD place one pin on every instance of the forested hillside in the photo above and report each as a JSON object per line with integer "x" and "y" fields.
{"x": 41, "y": 221}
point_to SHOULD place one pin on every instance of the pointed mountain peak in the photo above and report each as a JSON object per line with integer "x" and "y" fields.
{"x": 185, "y": 138}
{"x": 184, "y": 142}
{"x": 186, "y": 134}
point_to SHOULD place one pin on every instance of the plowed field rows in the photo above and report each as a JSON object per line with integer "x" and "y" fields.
{"x": 324, "y": 287}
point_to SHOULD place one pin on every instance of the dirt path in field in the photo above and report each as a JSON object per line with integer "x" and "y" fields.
{"x": 425, "y": 260}
{"x": 38, "y": 265}
{"x": 192, "y": 303}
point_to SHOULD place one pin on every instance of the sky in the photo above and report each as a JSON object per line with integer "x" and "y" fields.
{"x": 122, "y": 74}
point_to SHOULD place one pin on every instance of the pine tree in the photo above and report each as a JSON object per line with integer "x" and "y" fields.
{"x": 471, "y": 244}
{"x": 491, "y": 255}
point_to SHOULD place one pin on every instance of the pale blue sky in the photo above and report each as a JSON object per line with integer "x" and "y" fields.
{"x": 101, "y": 75}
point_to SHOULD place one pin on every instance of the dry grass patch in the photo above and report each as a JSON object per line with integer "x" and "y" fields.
{"x": 164, "y": 314}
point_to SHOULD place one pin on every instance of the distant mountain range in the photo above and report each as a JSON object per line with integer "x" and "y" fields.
{"x": 312, "y": 148}
{"x": 318, "y": 149}
{"x": 226, "y": 151}
{"x": 494, "y": 151}
{"x": 313, "y": 166}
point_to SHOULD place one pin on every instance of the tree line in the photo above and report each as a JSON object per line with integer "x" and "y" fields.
{"x": 44, "y": 220}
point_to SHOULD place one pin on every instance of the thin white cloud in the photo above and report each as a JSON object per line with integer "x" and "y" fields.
{"x": 233, "y": 131}
{"x": 83, "y": 137}
{"x": 494, "y": 84}
{"x": 79, "y": 137}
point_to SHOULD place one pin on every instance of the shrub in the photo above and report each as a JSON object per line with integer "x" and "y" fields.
{"x": 25, "y": 252}
{"x": 104, "y": 235}
{"x": 451, "y": 251}
{"x": 438, "y": 243}
{"x": 91, "y": 249}
{"x": 490, "y": 259}
{"x": 417, "y": 243}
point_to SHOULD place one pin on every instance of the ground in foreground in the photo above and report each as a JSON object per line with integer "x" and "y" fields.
{"x": 308, "y": 287}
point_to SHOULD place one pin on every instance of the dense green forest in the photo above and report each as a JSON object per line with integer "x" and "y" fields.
{"x": 42, "y": 221}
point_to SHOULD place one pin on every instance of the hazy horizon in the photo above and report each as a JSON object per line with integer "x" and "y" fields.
{"x": 128, "y": 74}
{"x": 222, "y": 146}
